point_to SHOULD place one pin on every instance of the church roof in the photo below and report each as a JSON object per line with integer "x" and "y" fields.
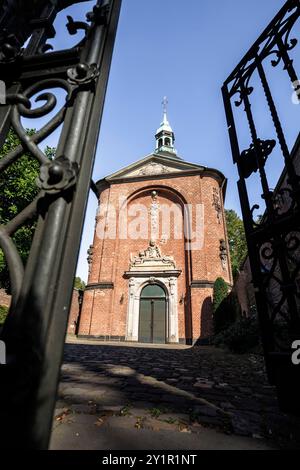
{"x": 160, "y": 165}
{"x": 164, "y": 162}
{"x": 165, "y": 125}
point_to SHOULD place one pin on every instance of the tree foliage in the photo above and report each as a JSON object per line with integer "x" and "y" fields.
{"x": 3, "y": 314}
{"x": 225, "y": 306}
{"x": 220, "y": 292}
{"x": 79, "y": 283}
{"x": 237, "y": 240}
{"x": 17, "y": 190}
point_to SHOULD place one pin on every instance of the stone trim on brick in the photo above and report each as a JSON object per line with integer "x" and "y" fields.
{"x": 205, "y": 284}
{"x": 202, "y": 284}
{"x": 103, "y": 184}
{"x": 100, "y": 285}
{"x": 156, "y": 177}
{"x": 136, "y": 284}
{"x": 173, "y": 273}
{"x": 102, "y": 338}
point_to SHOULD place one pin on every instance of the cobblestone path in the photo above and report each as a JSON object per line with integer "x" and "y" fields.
{"x": 180, "y": 387}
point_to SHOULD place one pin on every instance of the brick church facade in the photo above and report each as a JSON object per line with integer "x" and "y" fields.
{"x": 160, "y": 243}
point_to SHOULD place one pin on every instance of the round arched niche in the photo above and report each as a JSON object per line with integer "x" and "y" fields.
{"x": 170, "y": 205}
{"x": 163, "y": 191}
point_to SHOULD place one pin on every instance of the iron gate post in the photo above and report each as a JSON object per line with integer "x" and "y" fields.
{"x": 274, "y": 241}
{"x": 34, "y": 332}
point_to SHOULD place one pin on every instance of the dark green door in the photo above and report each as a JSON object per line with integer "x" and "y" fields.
{"x": 152, "y": 321}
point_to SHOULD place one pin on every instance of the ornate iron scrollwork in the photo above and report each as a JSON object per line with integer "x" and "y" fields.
{"x": 34, "y": 331}
{"x": 246, "y": 91}
{"x": 57, "y": 175}
{"x": 249, "y": 160}
{"x": 74, "y": 26}
{"x": 273, "y": 242}
{"x": 10, "y": 50}
{"x": 83, "y": 74}
{"x": 98, "y": 15}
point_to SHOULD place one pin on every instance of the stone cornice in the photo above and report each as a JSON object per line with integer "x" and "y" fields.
{"x": 148, "y": 274}
{"x": 100, "y": 285}
{"x": 181, "y": 169}
{"x": 203, "y": 284}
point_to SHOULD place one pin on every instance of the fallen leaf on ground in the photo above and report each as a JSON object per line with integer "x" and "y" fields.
{"x": 99, "y": 422}
{"x": 63, "y": 414}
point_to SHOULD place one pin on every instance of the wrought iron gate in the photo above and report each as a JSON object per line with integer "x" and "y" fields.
{"x": 274, "y": 240}
{"x": 34, "y": 332}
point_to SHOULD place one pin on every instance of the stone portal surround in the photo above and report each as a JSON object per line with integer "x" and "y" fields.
{"x": 136, "y": 285}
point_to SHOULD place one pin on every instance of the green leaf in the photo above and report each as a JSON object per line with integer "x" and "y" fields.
{"x": 17, "y": 190}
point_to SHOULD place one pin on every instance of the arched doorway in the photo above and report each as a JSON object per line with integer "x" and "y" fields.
{"x": 152, "y": 317}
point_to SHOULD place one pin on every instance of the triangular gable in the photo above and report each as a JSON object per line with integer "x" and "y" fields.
{"x": 154, "y": 165}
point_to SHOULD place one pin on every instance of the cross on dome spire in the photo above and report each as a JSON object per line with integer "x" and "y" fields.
{"x": 165, "y": 103}
{"x": 164, "y": 135}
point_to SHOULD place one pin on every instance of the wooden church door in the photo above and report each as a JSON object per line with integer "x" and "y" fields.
{"x": 152, "y": 319}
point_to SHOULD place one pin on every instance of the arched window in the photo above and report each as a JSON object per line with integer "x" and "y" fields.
{"x": 153, "y": 290}
{"x": 160, "y": 143}
{"x": 167, "y": 142}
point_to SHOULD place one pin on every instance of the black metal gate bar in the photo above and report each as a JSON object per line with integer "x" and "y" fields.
{"x": 265, "y": 324}
{"x": 294, "y": 180}
{"x": 35, "y": 331}
{"x": 274, "y": 242}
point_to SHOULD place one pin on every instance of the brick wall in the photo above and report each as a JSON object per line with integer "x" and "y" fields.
{"x": 74, "y": 310}
{"x": 104, "y": 310}
{"x": 4, "y": 298}
{"x": 74, "y": 316}
{"x": 244, "y": 289}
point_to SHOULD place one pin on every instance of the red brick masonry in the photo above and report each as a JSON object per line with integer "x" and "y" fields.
{"x": 5, "y": 299}
{"x": 74, "y": 316}
{"x": 105, "y": 304}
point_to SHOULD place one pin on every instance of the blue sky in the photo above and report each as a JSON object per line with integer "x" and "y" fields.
{"x": 184, "y": 50}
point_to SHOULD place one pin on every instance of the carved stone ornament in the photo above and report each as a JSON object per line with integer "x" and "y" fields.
{"x": 223, "y": 253}
{"x": 217, "y": 204}
{"x": 154, "y": 215}
{"x": 154, "y": 168}
{"x": 90, "y": 253}
{"x": 152, "y": 258}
